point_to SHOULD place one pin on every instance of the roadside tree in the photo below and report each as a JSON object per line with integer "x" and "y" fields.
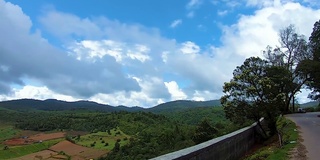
{"x": 310, "y": 67}
{"x": 293, "y": 49}
{"x": 252, "y": 93}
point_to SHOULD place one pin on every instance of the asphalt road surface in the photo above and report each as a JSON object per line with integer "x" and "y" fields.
{"x": 310, "y": 128}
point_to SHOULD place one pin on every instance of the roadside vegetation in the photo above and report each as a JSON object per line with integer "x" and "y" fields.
{"x": 272, "y": 149}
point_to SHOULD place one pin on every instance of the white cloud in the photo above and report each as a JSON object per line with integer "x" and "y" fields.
{"x": 93, "y": 50}
{"x": 191, "y": 6}
{"x": 302, "y": 96}
{"x": 205, "y": 95}
{"x": 193, "y": 3}
{"x": 175, "y": 91}
{"x": 189, "y": 48}
{"x": 68, "y": 25}
{"x": 263, "y": 3}
{"x": 222, "y": 13}
{"x": 255, "y": 32}
{"x": 34, "y": 92}
{"x": 140, "y": 53}
{"x": 153, "y": 92}
{"x": 97, "y": 49}
{"x": 175, "y": 23}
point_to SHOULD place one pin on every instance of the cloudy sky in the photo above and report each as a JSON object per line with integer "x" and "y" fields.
{"x": 137, "y": 53}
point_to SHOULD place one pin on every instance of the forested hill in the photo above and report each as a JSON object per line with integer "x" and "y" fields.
{"x": 183, "y": 104}
{"x": 310, "y": 104}
{"x": 57, "y": 105}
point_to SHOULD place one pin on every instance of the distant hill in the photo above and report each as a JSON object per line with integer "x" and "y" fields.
{"x": 178, "y": 105}
{"x": 310, "y": 104}
{"x": 57, "y": 105}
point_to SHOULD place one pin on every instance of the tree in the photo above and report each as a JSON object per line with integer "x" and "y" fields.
{"x": 292, "y": 50}
{"x": 116, "y": 147}
{"x": 310, "y": 67}
{"x": 204, "y": 132}
{"x": 252, "y": 93}
{"x": 5, "y": 148}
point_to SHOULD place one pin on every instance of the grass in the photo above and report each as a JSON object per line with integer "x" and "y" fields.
{"x": 272, "y": 151}
{"x": 99, "y": 139}
{"x": 6, "y": 132}
{"x": 18, "y": 151}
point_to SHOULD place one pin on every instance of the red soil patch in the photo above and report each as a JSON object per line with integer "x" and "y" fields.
{"x": 18, "y": 141}
{"x": 49, "y": 136}
{"x": 45, "y": 154}
{"x": 34, "y": 138}
{"x": 77, "y": 151}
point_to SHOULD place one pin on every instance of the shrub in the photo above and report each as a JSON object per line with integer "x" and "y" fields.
{"x": 5, "y": 148}
{"x": 310, "y": 109}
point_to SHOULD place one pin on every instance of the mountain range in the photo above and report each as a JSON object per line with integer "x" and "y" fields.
{"x": 58, "y": 105}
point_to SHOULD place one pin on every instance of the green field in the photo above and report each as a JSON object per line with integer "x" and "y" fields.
{"x": 6, "y": 132}
{"x": 98, "y": 140}
{"x": 18, "y": 151}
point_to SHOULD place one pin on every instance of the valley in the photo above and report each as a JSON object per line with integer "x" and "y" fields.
{"x": 52, "y": 129}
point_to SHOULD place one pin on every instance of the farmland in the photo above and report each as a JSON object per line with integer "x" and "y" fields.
{"x": 48, "y": 145}
{"x": 17, "y": 151}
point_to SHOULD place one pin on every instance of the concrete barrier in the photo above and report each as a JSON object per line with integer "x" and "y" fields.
{"x": 228, "y": 147}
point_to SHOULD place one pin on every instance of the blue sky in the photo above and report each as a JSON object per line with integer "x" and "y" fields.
{"x": 137, "y": 52}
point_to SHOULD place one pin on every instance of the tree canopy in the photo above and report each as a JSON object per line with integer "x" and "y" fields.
{"x": 252, "y": 93}
{"x": 292, "y": 50}
{"x": 310, "y": 67}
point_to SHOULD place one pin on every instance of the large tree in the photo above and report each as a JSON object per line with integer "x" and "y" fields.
{"x": 311, "y": 67}
{"x": 254, "y": 92}
{"x": 292, "y": 50}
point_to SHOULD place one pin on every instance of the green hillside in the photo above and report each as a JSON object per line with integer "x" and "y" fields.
{"x": 309, "y": 104}
{"x": 179, "y": 105}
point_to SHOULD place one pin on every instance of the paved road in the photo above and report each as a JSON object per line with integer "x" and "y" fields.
{"x": 310, "y": 128}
